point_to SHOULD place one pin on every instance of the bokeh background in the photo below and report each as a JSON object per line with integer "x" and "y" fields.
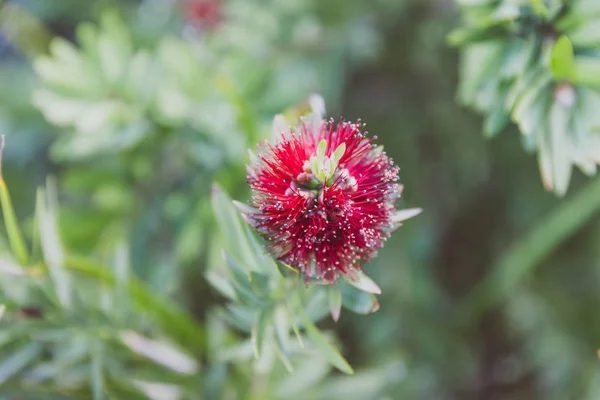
{"x": 134, "y": 161}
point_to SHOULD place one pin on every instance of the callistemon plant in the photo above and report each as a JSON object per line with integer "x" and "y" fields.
{"x": 324, "y": 198}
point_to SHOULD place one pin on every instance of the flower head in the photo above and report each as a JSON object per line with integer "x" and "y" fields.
{"x": 324, "y": 198}
{"x": 203, "y": 13}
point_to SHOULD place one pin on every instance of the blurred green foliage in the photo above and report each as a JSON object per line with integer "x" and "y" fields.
{"x": 536, "y": 63}
{"x": 137, "y": 108}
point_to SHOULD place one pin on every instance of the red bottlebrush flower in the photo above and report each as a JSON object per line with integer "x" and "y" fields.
{"x": 204, "y": 13}
{"x": 324, "y": 198}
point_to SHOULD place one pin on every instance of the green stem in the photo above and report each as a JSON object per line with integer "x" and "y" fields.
{"x": 522, "y": 257}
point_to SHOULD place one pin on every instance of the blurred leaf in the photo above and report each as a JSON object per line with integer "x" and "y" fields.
{"x": 361, "y": 281}
{"x": 403, "y": 215}
{"x": 586, "y": 34}
{"x": 26, "y": 32}
{"x": 540, "y": 8}
{"x": 329, "y": 352}
{"x": 519, "y": 261}
{"x": 221, "y": 284}
{"x": 52, "y": 247}
{"x": 358, "y": 301}
{"x": 174, "y": 322}
{"x": 259, "y": 328}
{"x": 18, "y": 360}
{"x": 231, "y": 226}
{"x": 11, "y": 224}
{"x": 161, "y": 352}
{"x": 240, "y": 240}
{"x": 562, "y": 58}
{"x": 586, "y": 70}
{"x": 335, "y": 301}
{"x": 97, "y": 372}
{"x": 559, "y": 131}
{"x": 241, "y": 283}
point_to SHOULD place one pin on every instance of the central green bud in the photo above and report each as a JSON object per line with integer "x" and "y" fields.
{"x": 324, "y": 167}
{"x": 322, "y": 171}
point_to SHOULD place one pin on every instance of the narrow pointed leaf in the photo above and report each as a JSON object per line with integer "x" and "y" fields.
{"x": 18, "y": 360}
{"x": 52, "y": 247}
{"x": 402, "y": 215}
{"x": 327, "y": 349}
{"x": 162, "y": 353}
{"x": 363, "y": 282}
{"x": 15, "y": 238}
{"x": 96, "y": 371}
{"x": 231, "y": 226}
{"x": 358, "y": 301}
{"x": 259, "y": 329}
{"x": 335, "y": 302}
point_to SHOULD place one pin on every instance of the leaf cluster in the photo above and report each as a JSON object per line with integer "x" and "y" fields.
{"x": 537, "y": 64}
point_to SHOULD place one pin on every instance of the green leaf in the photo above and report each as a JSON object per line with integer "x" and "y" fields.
{"x": 339, "y": 153}
{"x": 18, "y": 360}
{"x": 358, "y": 301}
{"x": 407, "y": 213}
{"x": 528, "y": 251}
{"x": 309, "y": 372}
{"x": 533, "y": 118}
{"x": 586, "y": 34}
{"x": 162, "y": 353}
{"x": 586, "y": 71}
{"x": 221, "y": 284}
{"x": 321, "y": 149}
{"x": 2, "y": 310}
{"x": 264, "y": 260}
{"x": 259, "y": 328}
{"x": 292, "y": 320}
{"x": 539, "y": 8}
{"x": 561, "y": 58}
{"x": 466, "y": 36}
{"x": 241, "y": 282}
{"x": 175, "y": 323}
{"x": 52, "y": 247}
{"x": 281, "y": 327}
{"x": 327, "y": 349}
{"x": 335, "y": 301}
{"x": 561, "y": 157}
{"x": 11, "y": 224}
{"x": 246, "y": 115}
{"x": 531, "y": 94}
{"x": 361, "y": 281}
{"x": 283, "y": 356}
{"x": 97, "y": 375}
{"x": 231, "y": 226}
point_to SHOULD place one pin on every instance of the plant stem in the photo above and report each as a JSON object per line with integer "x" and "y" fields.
{"x": 520, "y": 260}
